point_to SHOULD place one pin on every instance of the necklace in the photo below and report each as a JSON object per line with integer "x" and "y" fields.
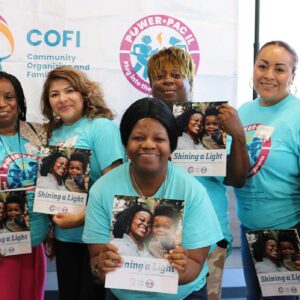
{"x": 140, "y": 192}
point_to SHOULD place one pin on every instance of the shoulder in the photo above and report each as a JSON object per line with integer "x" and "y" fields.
{"x": 102, "y": 122}
{"x": 115, "y": 175}
{"x": 247, "y": 105}
{"x": 35, "y": 133}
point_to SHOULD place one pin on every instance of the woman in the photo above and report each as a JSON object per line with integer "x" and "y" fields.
{"x": 130, "y": 230}
{"x": 272, "y": 128}
{"x": 22, "y": 276}
{"x": 148, "y": 131}
{"x": 53, "y": 170}
{"x": 267, "y": 255}
{"x": 190, "y": 125}
{"x": 171, "y": 72}
{"x": 79, "y": 117}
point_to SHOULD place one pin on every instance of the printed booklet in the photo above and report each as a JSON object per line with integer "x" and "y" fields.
{"x": 201, "y": 148}
{"x": 276, "y": 257}
{"x": 14, "y": 223}
{"x": 63, "y": 179}
{"x": 144, "y": 231}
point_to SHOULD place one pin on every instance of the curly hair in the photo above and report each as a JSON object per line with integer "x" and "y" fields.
{"x": 49, "y": 161}
{"x": 94, "y": 104}
{"x": 183, "y": 120}
{"x": 78, "y": 156}
{"x": 167, "y": 211}
{"x": 124, "y": 219}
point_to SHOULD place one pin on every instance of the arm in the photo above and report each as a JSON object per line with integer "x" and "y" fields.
{"x": 188, "y": 263}
{"x": 69, "y": 220}
{"x": 104, "y": 258}
{"x": 238, "y": 163}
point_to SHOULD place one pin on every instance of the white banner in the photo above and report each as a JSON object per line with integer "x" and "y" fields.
{"x": 112, "y": 41}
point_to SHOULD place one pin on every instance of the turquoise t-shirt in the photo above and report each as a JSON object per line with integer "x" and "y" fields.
{"x": 271, "y": 195}
{"x": 200, "y": 224}
{"x": 101, "y": 136}
{"x": 18, "y": 170}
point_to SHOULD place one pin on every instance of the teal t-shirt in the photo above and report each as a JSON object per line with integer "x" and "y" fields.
{"x": 18, "y": 169}
{"x": 200, "y": 224}
{"x": 271, "y": 195}
{"x": 101, "y": 136}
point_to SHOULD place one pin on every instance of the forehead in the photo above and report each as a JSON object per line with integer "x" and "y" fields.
{"x": 148, "y": 125}
{"x": 6, "y": 85}
{"x": 142, "y": 214}
{"x": 276, "y": 54}
{"x": 59, "y": 84}
{"x": 196, "y": 115}
{"x": 61, "y": 159}
{"x": 76, "y": 163}
{"x": 13, "y": 204}
{"x": 162, "y": 219}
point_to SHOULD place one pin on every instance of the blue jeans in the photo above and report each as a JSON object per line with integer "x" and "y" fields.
{"x": 252, "y": 283}
{"x": 197, "y": 295}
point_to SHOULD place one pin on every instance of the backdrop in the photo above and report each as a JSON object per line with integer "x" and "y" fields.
{"x": 112, "y": 40}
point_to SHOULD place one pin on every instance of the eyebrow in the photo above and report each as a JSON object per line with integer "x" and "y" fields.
{"x": 277, "y": 64}
{"x": 69, "y": 86}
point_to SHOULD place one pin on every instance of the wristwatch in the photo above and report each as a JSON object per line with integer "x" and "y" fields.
{"x": 95, "y": 270}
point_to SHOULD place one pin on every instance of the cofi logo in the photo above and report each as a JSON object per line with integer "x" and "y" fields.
{"x": 7, "y": 45}
{"x": 53, "y": 38}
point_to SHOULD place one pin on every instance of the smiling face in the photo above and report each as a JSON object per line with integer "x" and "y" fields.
{"x": 287, "y": 248}
{"x": 13, "y": 210}
{"x": 60, "y": 167}
{"x": 271, "y": 249}
{"x": 75, "y": 168}
{"x": 171, "y": 87}
{"x": 211, "y": 124}
{"x": 273, "y": 74}
{"x": 65, "y": 101}
{"x": 8, "y": 105}
{"x": 140, "y": 225}
{"x": 148, "y": 147}
{"x": 163, "y": 227}
{"x": 194, "y": 126}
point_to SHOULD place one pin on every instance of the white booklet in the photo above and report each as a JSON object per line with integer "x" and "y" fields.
{"x": 63, "y": 179}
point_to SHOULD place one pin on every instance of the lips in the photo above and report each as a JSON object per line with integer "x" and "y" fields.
{"x": 268, "y": 85}
{"x": 4, "y": 113}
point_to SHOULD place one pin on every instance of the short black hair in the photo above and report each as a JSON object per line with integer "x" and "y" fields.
{"x": 78, "y": 156}
{"x": 49, "y": 161}
{"x": 19, "y": 94}
{"x": 285, "y": 237}
{"x": 17, "y": 197}
{"x": 167, "y": 211}
{"x": 124, "y": 219}
{"x": 149, "y": 108}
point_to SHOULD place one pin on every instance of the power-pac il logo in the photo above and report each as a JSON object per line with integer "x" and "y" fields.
{"x": 7, "y": 43}
{"x": 258, "y": 145}
{"x": 146, "y": 37}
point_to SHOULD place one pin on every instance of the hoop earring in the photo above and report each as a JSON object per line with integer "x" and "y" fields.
{"x": 251, "y": 83}
{"x": 292, "y": 89}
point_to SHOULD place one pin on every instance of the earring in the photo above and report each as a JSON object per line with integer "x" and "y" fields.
{"x": 251, "y": 83}
{"x": 293, "y": 89}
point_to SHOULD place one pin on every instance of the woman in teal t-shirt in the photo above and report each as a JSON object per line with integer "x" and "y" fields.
{"x": 22, "y": 276}
{"x": 79, "y": 117}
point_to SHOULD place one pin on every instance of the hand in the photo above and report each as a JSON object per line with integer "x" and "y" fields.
{"x": 69, "y": 220}
{"x": 229, "y": 120}
{"x": 178, "y": 258}
{"x": 50, "y": 246}
{"x": 109, "y": 259}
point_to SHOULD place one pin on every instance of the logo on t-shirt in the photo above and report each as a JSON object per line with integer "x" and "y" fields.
{"x": 258, "y": 145}
{"x": 18, "y": 170}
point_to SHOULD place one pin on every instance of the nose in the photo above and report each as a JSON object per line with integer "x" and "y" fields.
{"x": 168, "y": 79}
{"x": 148, "y": 144}
{"x": 269, "y": 74}
{"x": 2, "y": 101}
{"x": 63, "y": 97}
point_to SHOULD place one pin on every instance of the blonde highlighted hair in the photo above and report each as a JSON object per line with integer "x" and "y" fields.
{"x": 94, "y": 104}
{"x": 168, "y": 59}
